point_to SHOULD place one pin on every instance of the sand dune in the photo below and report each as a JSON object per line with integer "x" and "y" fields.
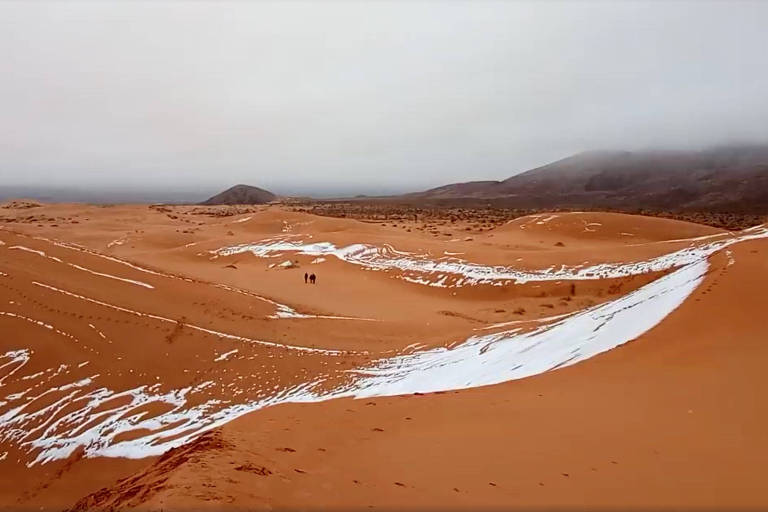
{"x": 129, "y": 331}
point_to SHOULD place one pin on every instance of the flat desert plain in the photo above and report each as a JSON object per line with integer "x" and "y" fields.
{"x": 173, "y": 357}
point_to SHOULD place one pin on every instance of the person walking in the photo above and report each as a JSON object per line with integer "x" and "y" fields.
{"x": 305, "y": 277}
{"x": 312, "y": 279}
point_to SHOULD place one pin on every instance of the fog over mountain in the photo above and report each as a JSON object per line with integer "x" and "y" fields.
{"x": 179, "y": 100}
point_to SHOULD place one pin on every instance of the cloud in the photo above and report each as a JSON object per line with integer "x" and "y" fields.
{"x": 364, "y": 96}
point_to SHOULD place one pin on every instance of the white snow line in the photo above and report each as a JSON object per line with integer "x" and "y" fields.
{"x": 523, "y": 321}
{"x": 78, "y": 248}
{"x": 225, "y": 355}
{"x": 78, "y": 267}
{"x": 415, "y": 267}
{"x": 39, "y": 323}
{"x": 119, "y": 241}
{"x": 544, "y": 221}
{"x": 191, "y": 326}
{"x": 27, "y": 249}
{"x": 110, "y": 276}
{"x": 679, "y": 240}
{"x": 101, "y": 334}
{"x": 498, "y": 357}
{"x": 16, "y": 356}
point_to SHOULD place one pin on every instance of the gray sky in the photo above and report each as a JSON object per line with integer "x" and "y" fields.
{"x": 363, "y": 96}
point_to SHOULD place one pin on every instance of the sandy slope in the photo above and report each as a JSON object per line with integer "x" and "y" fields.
{"x": 126, "y": 331}
{"x": 673, "y": 419}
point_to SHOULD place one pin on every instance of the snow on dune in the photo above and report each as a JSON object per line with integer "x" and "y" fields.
{"x": 39, "y": 323}
{"x": 282, "y": 310}
{"x": 110, "y": 276}
{"x": 81, "y": 268}
{"x": 118, "y": 241}
{"x": 499, "y": 357}
{"x": 188, "y": 325}
{"x": 547, "y": 219}
{"x": 478, "y": 361}
{"x": 421, "y": 269}
{"x": 15, "y": 360}
{"x": 225, "y": 355}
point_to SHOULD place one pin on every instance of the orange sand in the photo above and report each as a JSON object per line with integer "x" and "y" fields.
{"x": 672, "y": 419}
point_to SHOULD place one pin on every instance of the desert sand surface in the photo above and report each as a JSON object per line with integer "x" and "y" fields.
{"x": 172, "y": 357}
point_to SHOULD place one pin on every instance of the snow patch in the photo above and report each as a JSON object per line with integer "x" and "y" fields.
{"x": 225, "y": 355}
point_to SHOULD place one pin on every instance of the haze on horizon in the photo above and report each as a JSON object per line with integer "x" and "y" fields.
{"x": 363, "y": 97}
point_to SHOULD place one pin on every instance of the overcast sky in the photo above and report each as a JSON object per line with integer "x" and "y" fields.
{"x": 363, "y": 96}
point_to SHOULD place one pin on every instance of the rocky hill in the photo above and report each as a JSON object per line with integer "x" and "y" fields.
{"x": 242, "y": 194}
{"x": 733, "y": 178}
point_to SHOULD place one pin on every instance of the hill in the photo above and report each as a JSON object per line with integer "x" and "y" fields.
{"x": 242, "y": 194}
{"x": 731, "y": 178}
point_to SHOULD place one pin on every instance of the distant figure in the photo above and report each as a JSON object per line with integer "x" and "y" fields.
{"x": 305, "y": 277}
{"x": 312, "y": 278}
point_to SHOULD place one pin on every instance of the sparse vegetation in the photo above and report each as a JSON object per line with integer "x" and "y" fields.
{"x": 482, "y": 216}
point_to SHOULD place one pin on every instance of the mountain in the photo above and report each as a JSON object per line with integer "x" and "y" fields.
{"x": 733, "y": 178}
{"x": 242, "y": 194}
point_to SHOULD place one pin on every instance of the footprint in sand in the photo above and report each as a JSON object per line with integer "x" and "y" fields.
{"x": 252, "y": 468}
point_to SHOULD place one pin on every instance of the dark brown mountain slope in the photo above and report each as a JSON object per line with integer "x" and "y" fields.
{"x": 720, "y": 179}
{"x": 242, "y": 194}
